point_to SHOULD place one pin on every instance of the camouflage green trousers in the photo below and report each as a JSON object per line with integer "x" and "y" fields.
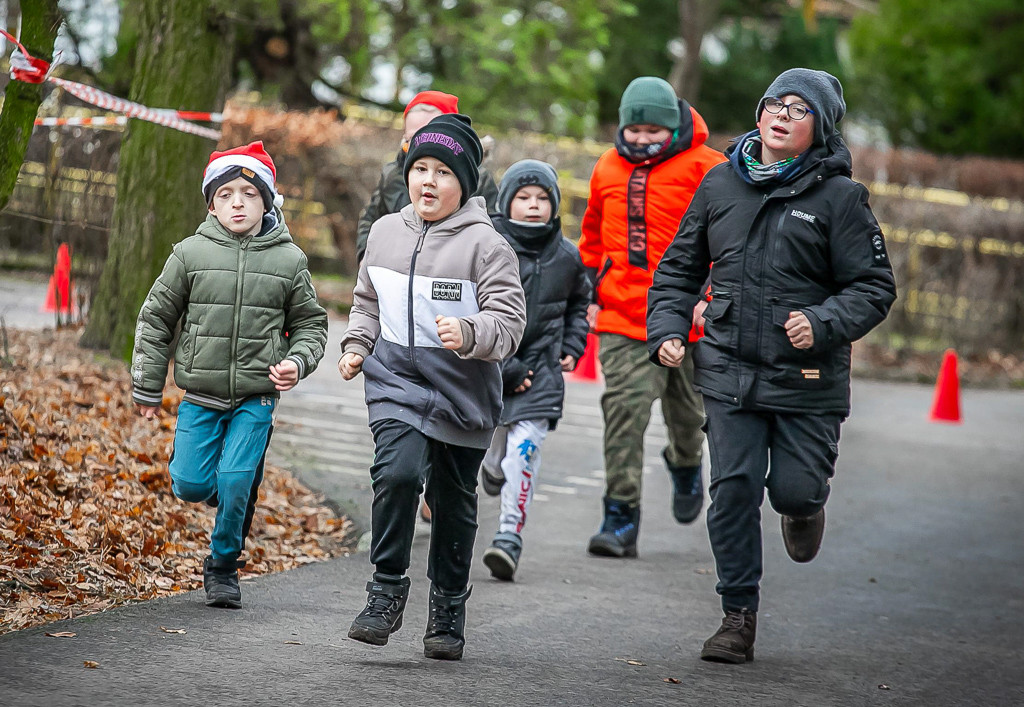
{"x": 632, "y": 384}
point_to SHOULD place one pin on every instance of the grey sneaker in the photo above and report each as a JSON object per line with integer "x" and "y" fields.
{"x": 502, "y": 558}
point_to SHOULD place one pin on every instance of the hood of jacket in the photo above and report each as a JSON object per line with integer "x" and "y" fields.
{"x": 831, "y": 159}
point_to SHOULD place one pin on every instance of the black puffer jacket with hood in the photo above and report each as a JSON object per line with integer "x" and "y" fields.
{"x": 808, "y": 244}
{"x": 557, "y": 294}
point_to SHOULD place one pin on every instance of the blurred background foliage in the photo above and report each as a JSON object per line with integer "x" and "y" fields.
{"x": 946, "y": 76}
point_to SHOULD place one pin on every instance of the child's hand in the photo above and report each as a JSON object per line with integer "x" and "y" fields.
{"x": 350, "y": 365}
{"x": 150, "y": 412}
{"x": 285, "y": 374}
{"x": 592, "y": 311}
{"x": 671, "y": 353}
{"x": 698, "y": 314}
{"x": 568, "y": 363}
{"x": 799, "y": 330}
{"x": 449, "y": 329}
{"x": 527, "y": 382}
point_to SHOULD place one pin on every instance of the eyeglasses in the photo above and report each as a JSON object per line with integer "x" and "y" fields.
{"x": 796, "y": 111}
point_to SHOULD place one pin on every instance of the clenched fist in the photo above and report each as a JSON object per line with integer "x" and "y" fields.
{"x": 350, "y": 365}
{"x": 671, "y": 353}
{"x": 449, "y": 329}
{"x": 799, "y": 330}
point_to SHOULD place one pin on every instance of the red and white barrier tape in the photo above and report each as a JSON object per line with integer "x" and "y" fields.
{"x": 25, "y": 67}
{"x": 84, "y": 121}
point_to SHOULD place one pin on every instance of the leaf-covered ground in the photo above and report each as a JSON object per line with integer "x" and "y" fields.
{"x": 87, "y": 517}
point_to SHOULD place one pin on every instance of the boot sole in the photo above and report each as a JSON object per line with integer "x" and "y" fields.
{"x": 365, "y": 634}
{"x": 440, "y": 653}
{"x": 500, "y": 564}
{"x": 223, "y": 602}
{"x": 600, "y": 549}
{"x": 718, "y": 655}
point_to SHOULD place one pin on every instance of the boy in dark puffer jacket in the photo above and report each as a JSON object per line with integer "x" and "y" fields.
{"x": 801, "y": 271}
{"x": 557, "y": 294}
{"x": 251, "y": 327}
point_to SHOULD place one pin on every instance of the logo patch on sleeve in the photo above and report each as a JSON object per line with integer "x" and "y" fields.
{"x": 878, "y": 246}
{"x": 446, "y": 291}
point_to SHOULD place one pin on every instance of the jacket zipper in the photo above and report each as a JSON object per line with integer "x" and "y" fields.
{"x": 239, "y": 278}
{"x": 412, "y": 277}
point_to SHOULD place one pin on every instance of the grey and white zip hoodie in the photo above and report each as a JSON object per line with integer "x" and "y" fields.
{"x": 457, "y": 267}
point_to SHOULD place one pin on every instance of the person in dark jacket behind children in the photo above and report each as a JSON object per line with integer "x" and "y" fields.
{"x": 392, "y": 193}
{"x": 557, "y": 294}
{"x": 437, "y": 306}
{"x": 800, "y": 272}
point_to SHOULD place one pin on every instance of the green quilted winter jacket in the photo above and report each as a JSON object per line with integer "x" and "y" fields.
{"x": 244, "y": 304}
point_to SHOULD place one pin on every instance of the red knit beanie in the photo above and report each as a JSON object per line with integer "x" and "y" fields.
{"x": 444, "y": 102}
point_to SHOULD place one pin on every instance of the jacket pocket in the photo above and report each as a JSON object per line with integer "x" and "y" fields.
{"x": 719, "y": 324}
{"x": 279, "y": 350}
{"x": 792, "y": 367}
{"x": 814, "y": 374}
{"x": 186, "y": 352}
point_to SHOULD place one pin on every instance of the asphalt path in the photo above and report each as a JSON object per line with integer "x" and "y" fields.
{"x": 915, "y": 598}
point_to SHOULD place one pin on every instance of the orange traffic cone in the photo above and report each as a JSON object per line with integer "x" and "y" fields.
{"x": 946, "y": 407}
{"x": 588, "y": 368}
{"x": 58, "y": 295}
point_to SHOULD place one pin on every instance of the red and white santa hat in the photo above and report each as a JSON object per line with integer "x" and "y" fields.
{"x": 250, "y": 162}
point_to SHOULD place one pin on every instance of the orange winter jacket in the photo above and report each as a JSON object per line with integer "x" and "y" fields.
{"x": 625, "y": 271}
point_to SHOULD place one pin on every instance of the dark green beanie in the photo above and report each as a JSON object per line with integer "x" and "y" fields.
{"x": 649, "y": 100}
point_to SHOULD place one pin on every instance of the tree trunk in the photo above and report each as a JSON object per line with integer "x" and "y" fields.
{"x": 694, "y": 20}
{"x": 39, "y": 22}
{"x": 183, "y": 61}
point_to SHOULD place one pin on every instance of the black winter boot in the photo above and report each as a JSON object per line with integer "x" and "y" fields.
{"x": 446, "y": 628}
{"x": 502, "y": 557}
{"x": 220, "y": 579}
{"x": 687, "y": 490}
{"x": 382, "y": 616}
{"x": 619, "y": 531}
{"x": 802, "y": 536}
{"x": 733, "y": 642}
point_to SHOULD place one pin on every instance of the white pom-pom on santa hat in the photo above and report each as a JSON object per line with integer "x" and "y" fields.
{"x": 249, "y": 161}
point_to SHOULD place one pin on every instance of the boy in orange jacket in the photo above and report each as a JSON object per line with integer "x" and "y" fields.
{"x": 638, "y": 193}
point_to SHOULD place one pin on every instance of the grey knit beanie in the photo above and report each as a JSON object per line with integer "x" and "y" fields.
{"x": 651, "y": 101}
{"x": 821, "y": 90}
{"x": 527, "y": 173}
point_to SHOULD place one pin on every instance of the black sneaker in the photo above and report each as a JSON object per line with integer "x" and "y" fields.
{"x": 382, "y": 616}
{"x": 733, "y": 642}
{"x": 687, "y": 490}
{"x": 619, "y": 531}
{"x": 445, "y": 638}
{"x": 220, "y": 580}
{"x": 491, "y": 484}
{"x": 502, "y": 558}
{"x": 802, "y": 536}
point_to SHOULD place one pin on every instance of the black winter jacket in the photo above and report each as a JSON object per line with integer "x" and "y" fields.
{"x": 810, "y": 245}
{"x": 557, "y": 294}
{"x": 392, "y": 194}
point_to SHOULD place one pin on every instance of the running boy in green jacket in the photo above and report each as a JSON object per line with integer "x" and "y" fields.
{"x": 251, "y": 327}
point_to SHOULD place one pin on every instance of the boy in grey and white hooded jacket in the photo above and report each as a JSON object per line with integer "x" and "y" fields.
{"x": 437, "y": 305}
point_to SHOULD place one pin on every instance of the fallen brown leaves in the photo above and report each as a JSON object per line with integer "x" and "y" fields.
{"x": 87, "y": 517}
